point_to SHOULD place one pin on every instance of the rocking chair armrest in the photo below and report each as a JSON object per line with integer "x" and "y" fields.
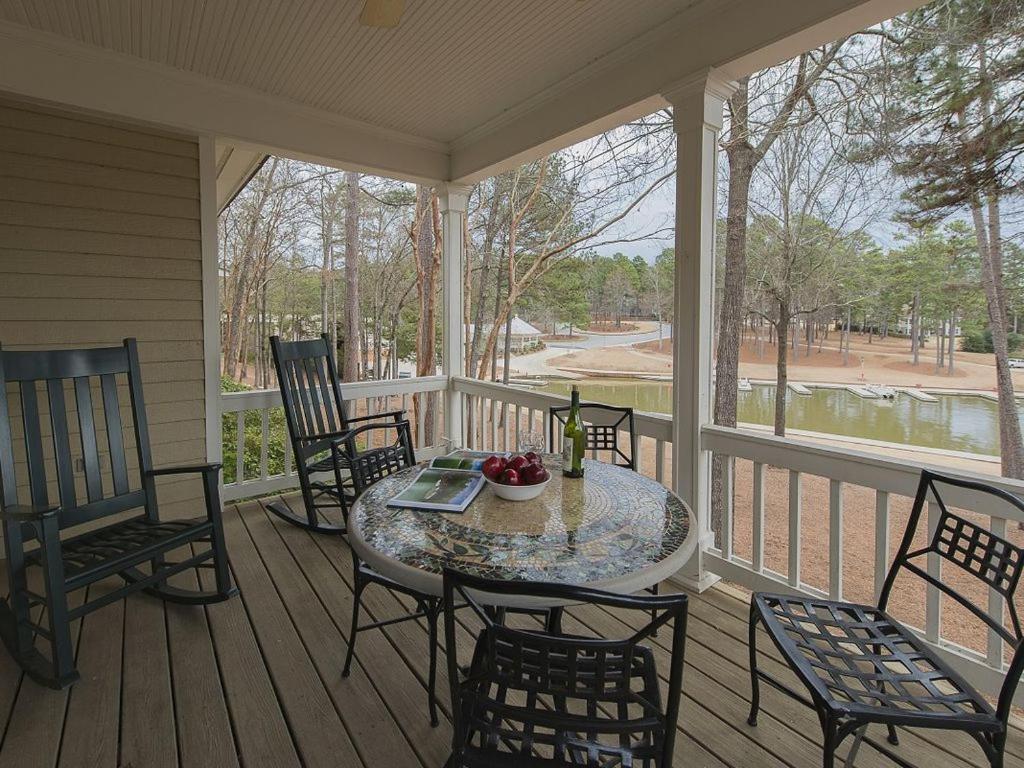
{"x": 26, "y": 513}
{"x": 396, "y": 415}
{"x": 349, "y": 437}
{"x": 185, "y": 469}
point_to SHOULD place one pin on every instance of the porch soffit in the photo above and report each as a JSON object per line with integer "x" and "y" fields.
{"x": 460, "y": 89}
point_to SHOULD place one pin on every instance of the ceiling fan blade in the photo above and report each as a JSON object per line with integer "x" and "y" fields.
{"x": 382, "y": 13}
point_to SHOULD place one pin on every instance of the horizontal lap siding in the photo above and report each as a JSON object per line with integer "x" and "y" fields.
{"x": 99, "y": 240}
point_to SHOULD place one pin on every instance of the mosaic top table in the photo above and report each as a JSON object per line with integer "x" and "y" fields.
{"x": 614, "y": 529}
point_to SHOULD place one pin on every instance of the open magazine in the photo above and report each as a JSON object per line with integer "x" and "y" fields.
{"x": 465, "y": 459}
{"x": 441, "y": 490}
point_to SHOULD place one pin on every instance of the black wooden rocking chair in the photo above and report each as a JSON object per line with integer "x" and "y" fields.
{"x": 861, "y": 666}
{"x": 324, "y": 436}
{"x": 33, "y": 531}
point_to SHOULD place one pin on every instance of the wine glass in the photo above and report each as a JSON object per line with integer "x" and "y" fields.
{"x": 532, "y": 441}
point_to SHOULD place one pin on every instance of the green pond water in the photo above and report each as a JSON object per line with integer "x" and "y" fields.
{"x": 965, "y": 423}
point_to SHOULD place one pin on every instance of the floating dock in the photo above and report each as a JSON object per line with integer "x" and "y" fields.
{"x": 800, "y": 389}
{"x": 882, "y": 391}
{"x": 990, "y": 396}
{"x": 864, "y": 392}
{"x": 917, "y": 394}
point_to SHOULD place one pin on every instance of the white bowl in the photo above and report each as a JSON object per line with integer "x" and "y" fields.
{"x": 518, "y": 492}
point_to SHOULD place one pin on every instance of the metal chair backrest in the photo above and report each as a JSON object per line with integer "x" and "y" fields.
{"x": 43, "y": 382}
{"x": 537, "y": 663}
{"x": 604, "y": 423}
{"x": 974, "y": 550}
{"x": 313, "y": 404}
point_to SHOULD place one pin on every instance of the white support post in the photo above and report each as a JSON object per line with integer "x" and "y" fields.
{"x": 697, "y": 107}
{"x": 211, "y": 296}
{"x": 454, "y": 199}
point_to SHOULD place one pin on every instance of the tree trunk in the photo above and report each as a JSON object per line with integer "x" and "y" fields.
{"x": 952, "y": 341}
{"x": 1010, "y": 443}
{"x": 782, "y": 371}
{"x": 730, "y": 317}
{"x": 915, "y": 329}
{"x": 350, "y": 367}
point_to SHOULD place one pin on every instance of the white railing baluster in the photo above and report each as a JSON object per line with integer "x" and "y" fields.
{"x": 240, "y": 448}
{"x": 757, "y": 544}
{"x": 996, "y": 607}
{"x": 881, "y": 539}
{"x": 264, "y": 441}
{"x": 933, "y": 598}
{"x": 638, "y": 460}
{"x": 493, "y": 407}
{"x": 727, "y": 486}
{"x": 518, "y": 419}
{"x": 835, "y": 540}
{"x": 795, "y": 510}
{"x": 421, "y": 418}
{"x": 504, "y": 425}
{"x": 659, "y": 460}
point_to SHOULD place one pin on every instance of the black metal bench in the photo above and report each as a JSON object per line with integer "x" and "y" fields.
{"x": 42, "y": 567}
{"x": 860, "y": 666}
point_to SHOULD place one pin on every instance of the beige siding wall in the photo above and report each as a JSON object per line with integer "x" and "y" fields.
{"x": 99, "y": 240}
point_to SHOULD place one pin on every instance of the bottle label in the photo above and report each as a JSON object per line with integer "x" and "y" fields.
{"x": 567, "y": 447}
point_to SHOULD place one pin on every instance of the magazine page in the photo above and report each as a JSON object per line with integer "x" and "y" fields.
{"x": 465, "y": 459}
{"x": 440, "y": 490}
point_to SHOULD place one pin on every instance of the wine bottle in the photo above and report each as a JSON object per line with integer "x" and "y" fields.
{"x": 574, "y": 439}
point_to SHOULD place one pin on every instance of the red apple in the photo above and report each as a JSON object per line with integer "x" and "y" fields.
{"x": 510, "y": 477}
{"x": 493, "y": 467}
{"x": 534, "y": 474}
{"x": 518, "y": 463}
{"x": 533, "y": 458}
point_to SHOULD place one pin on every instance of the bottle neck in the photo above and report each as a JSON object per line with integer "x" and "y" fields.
{"x": 574, "y": 400}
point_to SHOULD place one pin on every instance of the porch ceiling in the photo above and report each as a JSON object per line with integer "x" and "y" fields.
{"x": 460, "y": 89}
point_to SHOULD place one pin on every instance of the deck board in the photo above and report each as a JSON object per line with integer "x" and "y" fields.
{"x": 257, "y": 681}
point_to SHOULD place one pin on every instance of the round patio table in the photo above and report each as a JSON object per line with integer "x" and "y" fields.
{"x": 613, "y": 529}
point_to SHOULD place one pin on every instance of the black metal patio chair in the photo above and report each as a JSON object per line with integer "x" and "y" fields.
{"x": 533, "y": 698}
{"x": 861, "y": 666}
{"x": 604, "y": 423}
{"x": 38, "y": 534}
{"x": 318, "y": 425}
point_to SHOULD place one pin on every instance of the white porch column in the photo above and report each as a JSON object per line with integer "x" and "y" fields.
{"x": 453, "y": 198}
{"x": 697, "y": 108}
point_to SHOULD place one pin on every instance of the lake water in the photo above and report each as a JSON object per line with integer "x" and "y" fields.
{"x": 965, "y": 423}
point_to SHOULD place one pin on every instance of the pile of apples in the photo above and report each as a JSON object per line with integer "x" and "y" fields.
{"x": 525, "y": 469}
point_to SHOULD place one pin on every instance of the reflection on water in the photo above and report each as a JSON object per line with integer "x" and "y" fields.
{"x": 956, "y": 422}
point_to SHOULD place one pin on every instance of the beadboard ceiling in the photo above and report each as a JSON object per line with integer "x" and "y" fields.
{"x": 451, "y": 67}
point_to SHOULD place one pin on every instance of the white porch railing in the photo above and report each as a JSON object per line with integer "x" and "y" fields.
{"x": 496, "y": 416}
{"x": 262, "y": 412}
{"x": 762, "y": 544}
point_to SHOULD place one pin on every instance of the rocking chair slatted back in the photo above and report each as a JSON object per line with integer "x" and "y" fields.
{"x": 51, "y": 377}
{"x": 312, "y": 400}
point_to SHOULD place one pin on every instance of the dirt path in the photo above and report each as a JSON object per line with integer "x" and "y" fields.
{"x": 881, "y": 362}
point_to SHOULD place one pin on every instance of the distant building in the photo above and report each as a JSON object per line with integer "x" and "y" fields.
{"x": 523, "y": 334}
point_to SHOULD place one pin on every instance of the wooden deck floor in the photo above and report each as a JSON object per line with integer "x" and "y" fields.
{"x": 257, "y": 681}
